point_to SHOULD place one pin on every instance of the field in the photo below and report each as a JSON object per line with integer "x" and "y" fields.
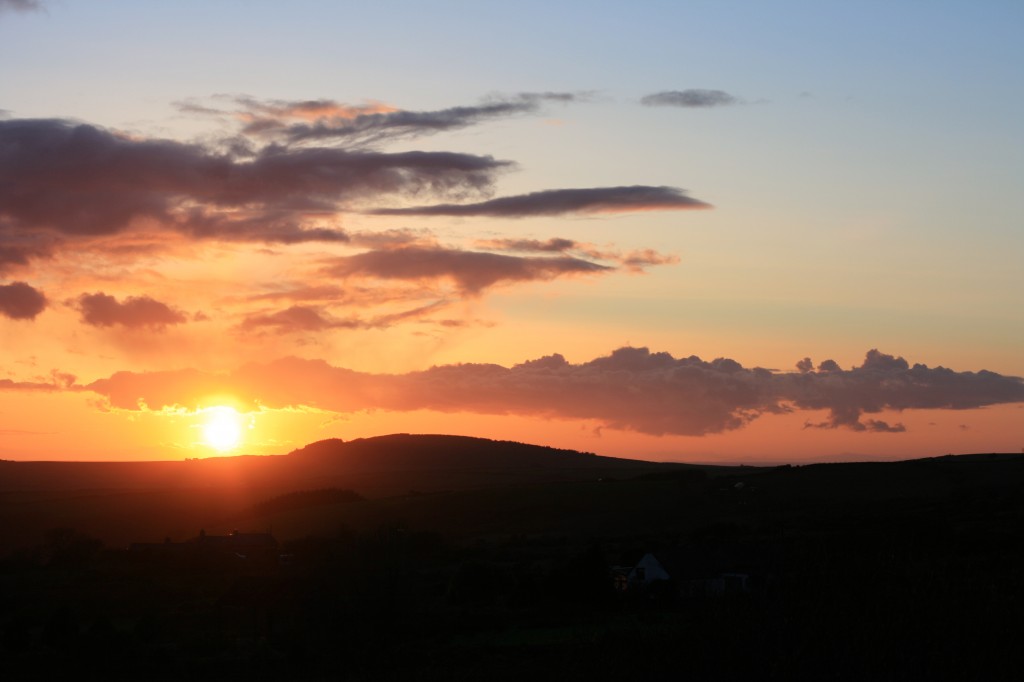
{"x": 438, "y": 558}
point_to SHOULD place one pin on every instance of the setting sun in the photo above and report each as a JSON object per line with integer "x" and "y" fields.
{"x": 223, "y": 428}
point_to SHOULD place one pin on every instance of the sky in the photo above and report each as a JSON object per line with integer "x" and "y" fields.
{"x": 692, "y": 231}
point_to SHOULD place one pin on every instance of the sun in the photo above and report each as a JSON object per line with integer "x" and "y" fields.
{"x": 223, "y": 428}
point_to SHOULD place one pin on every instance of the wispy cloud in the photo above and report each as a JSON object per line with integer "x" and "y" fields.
{"x": 554, "y": 202}
{"x": 328, "y": 121}
{"x": 22, "y": 6}
{"x": 471, "y": 271}
{"x": 689, "y": 99}
{"x": 304, "y": 319}
{"x": 634, "y": 261}
{"x": 57, "y": 381}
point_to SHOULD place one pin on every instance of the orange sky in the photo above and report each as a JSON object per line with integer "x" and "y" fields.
{"x": 729, "y": 269}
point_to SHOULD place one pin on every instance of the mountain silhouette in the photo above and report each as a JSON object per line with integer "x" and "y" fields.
{"x": 403, "y": 451}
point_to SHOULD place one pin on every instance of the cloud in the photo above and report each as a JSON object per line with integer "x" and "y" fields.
{"x": 62, "y": 178}
{"x": 694, "y": 98}
{"x": 636, "y": 261}
{"x": 103, "y": 310}
{"x": 471, "y": 271}
{"x": 296, "y": 318}
{"x": 18, "y": 250}
{"x": 21, "y": 301}
{"x": 553, "y": 245}
{"x": 385, "y": 239}
{"x": 57, "y": 381}
{"x": 633, "y": 261}
{"x": 264, "y": 118}
{"x": 563, "y": 201}
{"x": 630, "y": 389}
{"x": 377, "y": 123}
{"x": 887, "y": 382}
{"x": 305, "y": 319}
{"x": 22, "y": 5}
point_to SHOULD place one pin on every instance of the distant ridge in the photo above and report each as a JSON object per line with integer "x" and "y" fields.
{"x": 383, "y": 464}
{"x": 404, "y": 451}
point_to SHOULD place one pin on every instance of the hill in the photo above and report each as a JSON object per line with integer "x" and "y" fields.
{"x": 333, "y": 462}
{"x": 467, "y": 488}
{"x": 124, "y": 501}
{"x": 879, "y": 570}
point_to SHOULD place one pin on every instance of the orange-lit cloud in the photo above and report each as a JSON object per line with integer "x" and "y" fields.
{"x": 632, "y": 389}
{"x": 377, "y": 126}
{"x": 103, "y": 310}
{"x": 269, "y": 117}
{"x": 304, "y": 318}
{"x": 328, "y": 121}
{"x": 634, "y": 261}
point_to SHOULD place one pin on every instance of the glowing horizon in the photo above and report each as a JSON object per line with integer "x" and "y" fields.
{"x": 816, "y": 257}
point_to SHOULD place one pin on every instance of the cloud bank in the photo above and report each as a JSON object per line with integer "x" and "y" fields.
{"x": 630, "y": 389}
{"x": 62, "y": 178}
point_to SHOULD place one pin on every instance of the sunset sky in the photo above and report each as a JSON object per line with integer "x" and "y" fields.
{"x": 697, "y": 231}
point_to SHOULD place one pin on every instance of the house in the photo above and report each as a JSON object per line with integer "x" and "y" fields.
{"x": 694, "y": 572}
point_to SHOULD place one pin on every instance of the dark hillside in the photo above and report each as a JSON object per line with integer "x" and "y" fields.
{"x": 120, "y": 502}
{"x": 520, "y": 569}
{"x": 413, "y": 451}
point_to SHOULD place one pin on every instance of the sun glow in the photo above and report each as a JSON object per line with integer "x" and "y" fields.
{"x": 223, "y": 428}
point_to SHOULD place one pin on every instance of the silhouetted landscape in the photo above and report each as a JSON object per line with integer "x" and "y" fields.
{"x": 442, "y": 557}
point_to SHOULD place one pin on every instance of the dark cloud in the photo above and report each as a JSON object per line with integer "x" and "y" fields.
{"x": 887, "y": 382}
{"x": 631, "y": 389}
{"x": 695, "y": 98}
{"x": 563, "y": 201}
{"x": 79, "y": 180}
{"x": 21, "y": 301}
{"x": 18, "y": 250}
{"x": 471, "y": 271}
{"x": 103, "y": 310}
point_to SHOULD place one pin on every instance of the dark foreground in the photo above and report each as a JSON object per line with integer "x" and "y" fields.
{"x": 899, "y": 571}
